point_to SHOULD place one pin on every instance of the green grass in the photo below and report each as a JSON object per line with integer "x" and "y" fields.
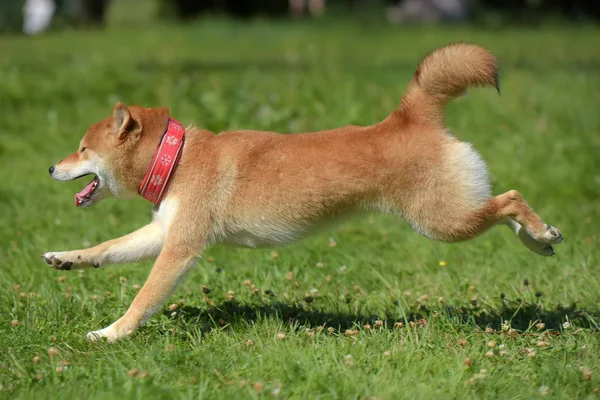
{"x": 541, "y": 136}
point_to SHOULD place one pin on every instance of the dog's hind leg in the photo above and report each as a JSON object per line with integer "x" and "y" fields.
{"x": 511, "y": 209}
{"x": 142, "y": 244}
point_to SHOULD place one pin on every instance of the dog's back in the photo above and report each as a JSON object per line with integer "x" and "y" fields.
{"x": 407, "y": 164}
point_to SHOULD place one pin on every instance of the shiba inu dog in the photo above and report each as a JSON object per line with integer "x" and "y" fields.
{"x": 256, "y": 189}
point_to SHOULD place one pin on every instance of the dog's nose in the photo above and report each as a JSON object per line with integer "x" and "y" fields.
{"x": 51, "y": 169}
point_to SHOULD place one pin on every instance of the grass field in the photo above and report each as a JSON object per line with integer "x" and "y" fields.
{"x": 319, "y": 319}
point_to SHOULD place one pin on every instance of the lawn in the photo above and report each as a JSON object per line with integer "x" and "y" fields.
{"x": 368, "y": 309}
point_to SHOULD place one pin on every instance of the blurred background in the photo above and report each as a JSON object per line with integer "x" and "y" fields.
{"x": 35, "y": 16}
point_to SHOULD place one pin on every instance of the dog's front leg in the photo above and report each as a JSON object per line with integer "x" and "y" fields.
{"x": 172, "y": 263}
{"x": 142, "y": 244}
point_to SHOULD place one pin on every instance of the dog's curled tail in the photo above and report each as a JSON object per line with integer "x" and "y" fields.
{"x": 445, "y": 74}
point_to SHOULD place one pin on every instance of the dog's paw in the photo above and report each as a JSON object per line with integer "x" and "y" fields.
{"x": 57, "y": 261}
{"x": 66, "y": 261}
{"x": 547, "y": 235}
{"x": 552, "y": 235}
{"x": 99, "y": 335}
{"x": 109, "y": 334}
{"x": 534, "y": 244}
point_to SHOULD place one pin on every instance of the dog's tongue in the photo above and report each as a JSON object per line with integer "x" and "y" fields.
{"x": 85, "y": 192}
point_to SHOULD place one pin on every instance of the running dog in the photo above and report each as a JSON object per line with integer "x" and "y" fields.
{"x": 256, "y": 189}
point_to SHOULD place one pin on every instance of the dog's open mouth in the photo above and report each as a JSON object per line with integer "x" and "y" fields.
{"x": 85, "y": 196}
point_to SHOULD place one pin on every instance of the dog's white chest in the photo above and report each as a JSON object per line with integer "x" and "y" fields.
{"x": 166, "y": 213}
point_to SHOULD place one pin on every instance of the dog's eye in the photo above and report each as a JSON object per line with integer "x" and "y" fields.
{"x": 82, "y": 149}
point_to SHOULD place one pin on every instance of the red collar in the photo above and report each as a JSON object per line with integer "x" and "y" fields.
{"x": 164, "y": 163}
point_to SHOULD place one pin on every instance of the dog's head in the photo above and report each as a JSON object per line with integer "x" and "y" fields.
{"x": 117, "y": 151}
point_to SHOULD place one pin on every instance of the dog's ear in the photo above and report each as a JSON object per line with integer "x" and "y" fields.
{"x": 124, "y": 122}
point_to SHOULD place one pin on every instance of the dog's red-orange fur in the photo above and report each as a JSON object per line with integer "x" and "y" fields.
{"x": 254, "y": 188}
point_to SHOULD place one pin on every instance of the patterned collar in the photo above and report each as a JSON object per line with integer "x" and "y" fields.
{"x": 155, "y": 183}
